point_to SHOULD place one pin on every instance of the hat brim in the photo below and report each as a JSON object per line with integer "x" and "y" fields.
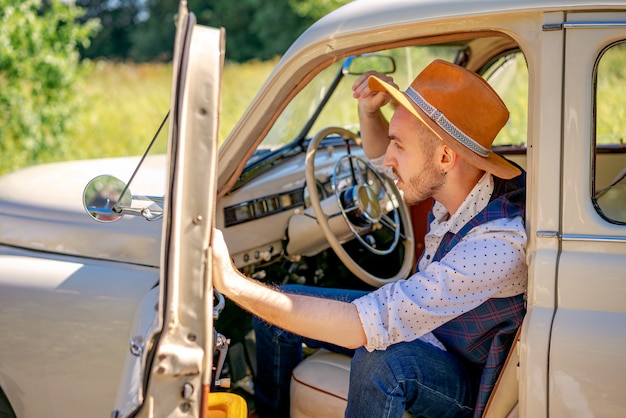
{"x": 493, "y": 163}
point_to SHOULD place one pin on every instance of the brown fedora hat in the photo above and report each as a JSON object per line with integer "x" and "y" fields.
{"x": 461, "y": 108}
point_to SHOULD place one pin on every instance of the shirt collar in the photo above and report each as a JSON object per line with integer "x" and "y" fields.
{"x": 474, "y": 203}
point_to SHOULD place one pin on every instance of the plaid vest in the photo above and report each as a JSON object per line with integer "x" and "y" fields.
{"x": 483, "y": 336}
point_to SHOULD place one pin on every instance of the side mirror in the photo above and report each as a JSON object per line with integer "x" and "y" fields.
{"x": 103, "y": 198}
{"x": 107, "y": 199}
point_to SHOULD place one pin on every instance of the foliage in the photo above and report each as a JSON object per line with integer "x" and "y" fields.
{"x": 315, "y": 9}
{"x": 255, "y": 28}
{"x": 143, "y": 30}
{"x": 153, "y": 38}
{"x": 38, "y": 66}
{"x": 118, "y": 20}
{"x": 122, "y": 120}
{"x": 127, "y": 103}
{"x": 611, "y": 96}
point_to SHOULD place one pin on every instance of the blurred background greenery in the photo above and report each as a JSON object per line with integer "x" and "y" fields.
{"x": 91, "y": 78}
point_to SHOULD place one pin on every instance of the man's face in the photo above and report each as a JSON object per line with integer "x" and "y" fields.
{"x": 413, "y": 157}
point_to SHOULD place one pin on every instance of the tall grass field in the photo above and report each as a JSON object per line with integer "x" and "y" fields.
{"x": 125, "y": 104}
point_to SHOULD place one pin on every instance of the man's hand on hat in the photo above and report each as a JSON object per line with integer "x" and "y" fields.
{"x": 370, "y": 101}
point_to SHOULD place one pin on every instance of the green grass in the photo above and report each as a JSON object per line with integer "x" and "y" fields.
{"x": 124, "y": 105}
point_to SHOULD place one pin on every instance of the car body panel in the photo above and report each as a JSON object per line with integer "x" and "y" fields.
{"x": 52, "y": 218}
{"x": 81, "y": 308}
{"x": 589, "y": 328}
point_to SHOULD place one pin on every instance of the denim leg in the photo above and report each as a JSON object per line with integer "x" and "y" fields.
{"x": 413, "y": 376}
{"x": 278, "y": 352}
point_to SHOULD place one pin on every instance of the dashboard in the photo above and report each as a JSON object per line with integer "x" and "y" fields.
{"x": 256, "y": 217}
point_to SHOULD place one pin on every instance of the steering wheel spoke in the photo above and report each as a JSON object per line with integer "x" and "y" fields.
{"x": 389, "y": 223}
{"x": 360, "y": 177}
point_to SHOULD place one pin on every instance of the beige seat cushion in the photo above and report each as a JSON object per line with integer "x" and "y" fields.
{"x": 319, "y": 386}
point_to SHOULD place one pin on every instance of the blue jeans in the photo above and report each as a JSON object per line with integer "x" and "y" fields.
{"x": 413, "y": 376}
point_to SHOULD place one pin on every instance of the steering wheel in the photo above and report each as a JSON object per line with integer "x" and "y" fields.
{"x": 370, "y": 203}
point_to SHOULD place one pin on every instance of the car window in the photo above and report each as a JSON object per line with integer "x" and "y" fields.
{"x": 410, "y": 61}
{"x": 609, "y": 174}
{"x": 508, "y": 75}
{"x": 341, "y": 109}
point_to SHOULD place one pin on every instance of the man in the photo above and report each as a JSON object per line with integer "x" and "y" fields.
{"x": 432, "y": 344}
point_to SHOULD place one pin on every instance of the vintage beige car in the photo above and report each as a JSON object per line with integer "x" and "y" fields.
{"x": 116, "y": 316}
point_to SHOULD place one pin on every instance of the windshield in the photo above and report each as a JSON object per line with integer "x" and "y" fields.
{"x": 341, "y": 109}
{"x": 304, "y": 105}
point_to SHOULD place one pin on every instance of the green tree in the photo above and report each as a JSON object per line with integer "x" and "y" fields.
{"x": 255, "y": 29}
{"x": 118, "y": 20}
{"x": 153, "y": 39}
{"x": 38, "y": 67}
{"x": 315, "y": 9}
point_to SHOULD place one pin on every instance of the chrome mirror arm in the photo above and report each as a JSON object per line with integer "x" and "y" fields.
{"x": 106, "y": 214}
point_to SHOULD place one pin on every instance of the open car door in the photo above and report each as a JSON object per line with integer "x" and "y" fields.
{"x": 169, "y": 370}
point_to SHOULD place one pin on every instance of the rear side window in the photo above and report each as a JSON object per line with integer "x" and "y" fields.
{"x": 508, "y": 75}
{"x": 609, "y": 176}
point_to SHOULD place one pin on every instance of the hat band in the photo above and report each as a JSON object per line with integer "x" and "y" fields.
{"x": 440, "y": 119}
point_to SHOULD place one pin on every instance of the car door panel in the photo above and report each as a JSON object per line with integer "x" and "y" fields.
{"x": 177, "y": 361}
{"x": 588, "y": 343}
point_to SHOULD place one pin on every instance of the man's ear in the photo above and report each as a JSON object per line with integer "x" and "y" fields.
{"x": 447, "y": 158}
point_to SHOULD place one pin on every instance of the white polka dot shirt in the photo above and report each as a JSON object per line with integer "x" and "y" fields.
{"x": 489, "y": 262}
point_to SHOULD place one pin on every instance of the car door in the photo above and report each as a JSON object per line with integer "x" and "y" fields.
{"x": 587, "y": 362}
{"x": 169, "y": 368}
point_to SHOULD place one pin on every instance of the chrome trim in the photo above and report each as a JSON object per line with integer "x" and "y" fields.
{"x": 595, "y": 238}
{"x": 547, "y": 234}
{"x": 592, "y": 25}
{"x": 549, "y": 27}
{"x": 137, "y": 346}
{"x": 580, "y": 237}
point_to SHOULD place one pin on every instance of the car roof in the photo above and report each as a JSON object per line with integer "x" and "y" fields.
{"x": 369, "y": 14}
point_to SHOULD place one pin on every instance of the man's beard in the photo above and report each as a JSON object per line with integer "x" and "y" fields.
{"x": 423, "y": 185}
